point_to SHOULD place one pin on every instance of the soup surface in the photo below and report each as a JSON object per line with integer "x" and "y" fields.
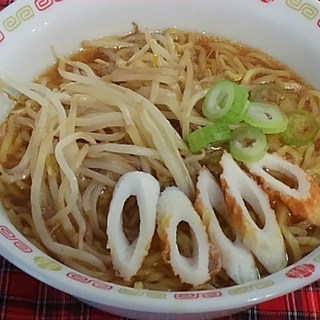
{"x": 129, "y": 103}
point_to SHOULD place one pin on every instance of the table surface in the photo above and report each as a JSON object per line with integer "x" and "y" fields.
{"x": 23, "y": 297}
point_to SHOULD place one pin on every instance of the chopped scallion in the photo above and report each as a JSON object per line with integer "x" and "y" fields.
{"x": 248, "y": 144}
{"x": 244, "y": 123}
{"x": 302, "y": 127}
{"x": 267, "y": 93}
{"x": 268, "y": 118}
{"x": 214, "y": 133}
{"x": 225, "y": 100}
{"x": 272, "y": 93}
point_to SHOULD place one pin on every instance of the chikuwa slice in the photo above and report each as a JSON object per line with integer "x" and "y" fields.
{"x": 175, "y": 207}
{"x": 244, "y": 198}
{"x": 302, "y": 200}
{"x": 236, "y": 259}
{"x": 127, "y": 257}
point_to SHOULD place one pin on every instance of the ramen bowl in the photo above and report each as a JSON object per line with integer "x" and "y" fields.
{"x": 286, "y": 30}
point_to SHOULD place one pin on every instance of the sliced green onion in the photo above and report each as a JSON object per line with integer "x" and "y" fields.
{"x": 302, "y": 127}
{"x": 289, "y": 103}
{"x": 248, "y": 144}
{"x": 227, "y": 100}
{"x": 268, "y": 118}
{"x": 268, "y": 93}
{"x": 273, "y": 94}
{"x": 214, "y": 133}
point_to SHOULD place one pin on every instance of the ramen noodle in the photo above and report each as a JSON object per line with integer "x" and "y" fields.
{"x": 127, "y": 104}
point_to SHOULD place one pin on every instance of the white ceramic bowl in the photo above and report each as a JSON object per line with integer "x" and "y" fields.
{"x": 288, "y": 30}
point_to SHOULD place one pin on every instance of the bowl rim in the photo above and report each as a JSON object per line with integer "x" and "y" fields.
{"x": 251, "y": 293}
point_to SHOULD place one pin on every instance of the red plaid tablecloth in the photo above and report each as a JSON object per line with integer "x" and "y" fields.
{"x": 24, "y": 298}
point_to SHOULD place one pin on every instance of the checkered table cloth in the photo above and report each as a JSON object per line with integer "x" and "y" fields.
{"x": 24, "y": 298}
